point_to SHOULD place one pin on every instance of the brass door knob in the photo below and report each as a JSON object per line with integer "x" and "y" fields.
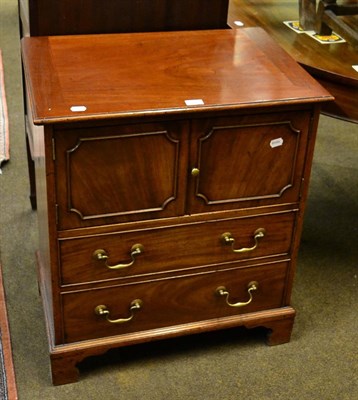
{"x": 195, "y": 172}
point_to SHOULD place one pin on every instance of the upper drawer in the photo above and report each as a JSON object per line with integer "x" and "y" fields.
{"x": 164, "y": 249}
{"x": 169, "y": 302}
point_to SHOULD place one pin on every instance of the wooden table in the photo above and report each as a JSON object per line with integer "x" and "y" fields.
{"x": 330, "y": 64}
{"x": 172, "y": 171}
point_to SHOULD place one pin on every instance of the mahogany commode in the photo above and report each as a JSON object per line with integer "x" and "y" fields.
{"x": 172, "y": 172}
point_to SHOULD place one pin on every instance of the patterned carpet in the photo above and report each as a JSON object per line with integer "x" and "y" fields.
{"x": 8, "y": 389}
{"x": 5, "y": 347}
{"x": 3, "y": 383}
{"x": 4, "y": 124}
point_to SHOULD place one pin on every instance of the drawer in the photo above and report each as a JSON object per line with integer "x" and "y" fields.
{"x": 167, "y": 302}
{"x": 165, "y": 249}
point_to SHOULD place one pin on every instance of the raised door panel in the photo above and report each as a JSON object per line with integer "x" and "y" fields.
{"x": 120, "y": 173}
{"x": 53, "y": 17}
{"x": 247, "y": 161}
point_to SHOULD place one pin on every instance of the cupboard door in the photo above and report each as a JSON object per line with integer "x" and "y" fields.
{"x": 247, "y": 161}
{"x": 120, "y": 173}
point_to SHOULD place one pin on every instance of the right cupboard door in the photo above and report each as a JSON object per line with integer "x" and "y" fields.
{"x": 247, "y": 161}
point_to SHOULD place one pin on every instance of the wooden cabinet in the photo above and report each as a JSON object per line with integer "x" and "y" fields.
{"x": 171, "y": 185}
{"x": 72, "y": 17}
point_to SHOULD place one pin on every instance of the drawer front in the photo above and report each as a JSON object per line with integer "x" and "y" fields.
{"x": 169, "y": 302}
{"x": 162, "y": 250}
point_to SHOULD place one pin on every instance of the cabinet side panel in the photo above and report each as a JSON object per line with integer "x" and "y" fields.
{"x": 47, "y": 253}
{"x": 303, "y": 198}
{"x": 42, "y": 207}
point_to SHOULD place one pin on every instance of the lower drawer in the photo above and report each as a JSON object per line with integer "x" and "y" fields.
{"x": 168, "y": 302}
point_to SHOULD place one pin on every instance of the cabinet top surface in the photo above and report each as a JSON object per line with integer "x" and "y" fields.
{"x": 74, "y": 78}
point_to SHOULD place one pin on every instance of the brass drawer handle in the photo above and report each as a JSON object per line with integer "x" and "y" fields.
{"x": 228, "y": 239}
{"x": 102, "y": 255}
{"x": 103, "y": 310}
{"x": 251, "y": 287}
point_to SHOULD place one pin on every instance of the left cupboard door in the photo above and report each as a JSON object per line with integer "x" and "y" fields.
{"x": 120, "y": 173}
